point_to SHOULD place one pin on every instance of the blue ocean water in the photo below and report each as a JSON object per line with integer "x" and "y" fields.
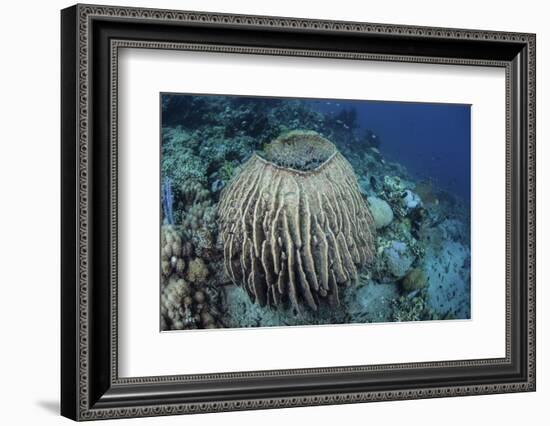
{"x": 433, "y": 141}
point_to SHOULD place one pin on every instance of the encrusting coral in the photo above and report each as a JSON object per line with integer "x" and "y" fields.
{"x": 409, "y": 309}
{"x": 293, "y": 223}
{"x": 414, "y": 280}
{"x": 381, "y": 212}
{"x": 399, "y": 258}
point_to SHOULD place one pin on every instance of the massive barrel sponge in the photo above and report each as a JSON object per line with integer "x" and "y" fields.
{"x": 293, "y": 223}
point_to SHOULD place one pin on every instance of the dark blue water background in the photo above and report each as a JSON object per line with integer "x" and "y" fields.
{"x": 431, "y": 140}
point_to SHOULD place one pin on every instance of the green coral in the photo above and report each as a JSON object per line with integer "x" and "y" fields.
{"x": 226, "y": 171}
{"x": 216, "y": 147}
{"x": 414, "y": 280}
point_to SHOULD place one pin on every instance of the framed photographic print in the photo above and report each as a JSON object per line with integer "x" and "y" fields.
{"x": 263, "y": 212}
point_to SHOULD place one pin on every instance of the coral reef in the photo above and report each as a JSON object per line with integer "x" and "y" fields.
{"x": 406, "y": 308}
{"x": 448, "y": 274}
{"x": 196, "y": 217}
{"x": 381, "y": 212}
{"x": 411, "y": 201}
{"x": 394, "y": 193}
{"x": 398, "y": 258}
{"x": 180, "y": 163}
{"x": 187, "y": 301}
{"x": 367, "y": 302}
{"x": 171, "y": 257}
{"x": 234, "y": 204}
{"x": 371, "y": 302}
{"x": 293, "y": 233}
{"x": 197, "y": 272}
{"x": 184, "y": 306}
{"x": 414, "y": 280}
{"x": 193, "y": 192}
{"x": 245, "y": 312}
{"x": 199, "y": 225}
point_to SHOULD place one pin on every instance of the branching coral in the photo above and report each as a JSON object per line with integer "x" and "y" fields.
{"x": 179, "y": 162}
{"x": 294, "y": 224}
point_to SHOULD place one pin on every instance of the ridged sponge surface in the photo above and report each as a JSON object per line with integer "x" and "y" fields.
{"x": 295, "y": 233}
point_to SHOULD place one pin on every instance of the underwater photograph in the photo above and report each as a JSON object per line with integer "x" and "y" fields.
{"x": 299, "y": 212}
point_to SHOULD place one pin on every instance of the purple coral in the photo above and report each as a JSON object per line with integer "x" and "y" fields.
{"x": 168, "y": 201}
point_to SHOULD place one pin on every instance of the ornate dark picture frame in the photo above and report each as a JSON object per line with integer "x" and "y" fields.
{"x": 90, "y": 38}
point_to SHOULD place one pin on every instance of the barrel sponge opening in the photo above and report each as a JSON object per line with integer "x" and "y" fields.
{"x": 293, "y": 223}
{"x": 299, "y": 149}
